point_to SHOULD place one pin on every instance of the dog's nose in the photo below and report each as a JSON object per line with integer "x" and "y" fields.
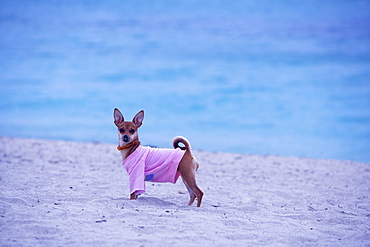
{"x": 125, "y": 138}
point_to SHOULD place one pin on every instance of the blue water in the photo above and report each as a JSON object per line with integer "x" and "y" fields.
{"x": 260, "y": 77}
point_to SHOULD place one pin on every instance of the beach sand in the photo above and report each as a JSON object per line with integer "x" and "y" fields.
{"x": 59, "y": 193}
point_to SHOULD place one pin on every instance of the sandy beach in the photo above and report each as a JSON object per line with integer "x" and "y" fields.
{"x": 59, "y": 193}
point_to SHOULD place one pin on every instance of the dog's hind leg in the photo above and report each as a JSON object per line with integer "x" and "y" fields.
{"x": 191, "y": 193}
{"x": 187, "y": 173}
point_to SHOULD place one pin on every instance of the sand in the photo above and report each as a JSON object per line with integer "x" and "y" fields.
{"x": 59, "y": 193}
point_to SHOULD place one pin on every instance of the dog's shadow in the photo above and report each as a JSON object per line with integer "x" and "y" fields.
{"x": 150, "y": 201}
{"x": 154, "y": 201}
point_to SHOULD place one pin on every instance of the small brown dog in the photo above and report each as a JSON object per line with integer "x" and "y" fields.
{"x": 154, "y": 164}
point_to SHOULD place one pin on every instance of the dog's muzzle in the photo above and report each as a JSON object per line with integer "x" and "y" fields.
{"x": 125, "y": 138}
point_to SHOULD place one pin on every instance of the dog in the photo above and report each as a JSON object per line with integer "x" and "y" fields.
{"x": 155, "y": 164}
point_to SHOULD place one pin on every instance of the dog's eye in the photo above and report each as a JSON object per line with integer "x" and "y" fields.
{"x": 132, "y": 131}
{"x": 122, "y": 130}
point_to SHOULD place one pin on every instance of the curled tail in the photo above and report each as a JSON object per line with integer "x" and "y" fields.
{"x": 187, "y": 148}
{"x": 183, "y": 140}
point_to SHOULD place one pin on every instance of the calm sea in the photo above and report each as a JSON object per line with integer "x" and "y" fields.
{"x": 285, "y": 78}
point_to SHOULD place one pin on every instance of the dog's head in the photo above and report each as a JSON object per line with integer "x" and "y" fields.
{"x": 127, "y": 131}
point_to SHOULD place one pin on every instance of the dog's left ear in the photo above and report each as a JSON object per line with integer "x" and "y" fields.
{"x": 118, "y": 117}
{"x": 138, "y": 119}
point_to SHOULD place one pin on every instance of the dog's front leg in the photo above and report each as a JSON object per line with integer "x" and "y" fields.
{"x": 133, "y": 196}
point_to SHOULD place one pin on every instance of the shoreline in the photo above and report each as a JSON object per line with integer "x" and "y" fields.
{"x": 195, "y": 150}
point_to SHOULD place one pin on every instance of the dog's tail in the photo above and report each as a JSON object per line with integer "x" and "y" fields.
{"x": 183, "y": 140}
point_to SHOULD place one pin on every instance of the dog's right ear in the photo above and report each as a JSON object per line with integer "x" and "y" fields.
{"x": 118, "y": 117}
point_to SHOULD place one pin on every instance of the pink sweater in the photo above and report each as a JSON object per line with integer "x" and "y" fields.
{"x": 152, "y": 164}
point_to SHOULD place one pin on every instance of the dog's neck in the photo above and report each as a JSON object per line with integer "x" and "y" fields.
{"x": 128, "y": 148}
{"x": 128, "y": 145}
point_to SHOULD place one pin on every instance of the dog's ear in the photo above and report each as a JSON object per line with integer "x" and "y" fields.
{"x": 118, "y": 117}
{"x": 138, "y": 119}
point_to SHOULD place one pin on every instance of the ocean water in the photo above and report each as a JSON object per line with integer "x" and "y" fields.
{"x": 265, "y": 77}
